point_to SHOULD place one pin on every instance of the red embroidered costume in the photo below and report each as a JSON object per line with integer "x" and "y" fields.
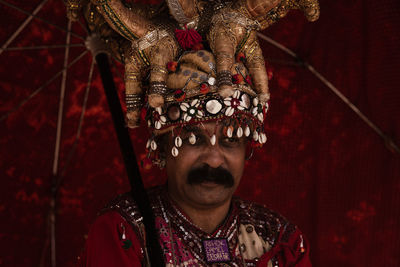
{"x": 199, "y": 71}
{"x": 256, "y": 236}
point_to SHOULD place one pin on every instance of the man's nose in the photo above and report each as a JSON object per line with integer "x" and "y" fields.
{"x": 213, "y": 155}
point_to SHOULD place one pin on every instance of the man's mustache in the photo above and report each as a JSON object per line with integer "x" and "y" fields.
{"x": 205, "y": 173}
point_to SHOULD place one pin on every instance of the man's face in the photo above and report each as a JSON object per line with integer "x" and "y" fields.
{"x": 203, "y": 175}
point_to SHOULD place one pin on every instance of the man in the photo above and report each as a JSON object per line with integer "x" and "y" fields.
{"x": 205, "y": 111}
{"x": 199, "y": 221}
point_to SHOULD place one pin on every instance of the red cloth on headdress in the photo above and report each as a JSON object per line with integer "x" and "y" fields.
{"x": 187, "y": 38}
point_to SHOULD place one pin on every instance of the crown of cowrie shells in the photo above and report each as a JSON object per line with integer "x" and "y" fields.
{"x": 205, "y": 108}
{"x": 242, "y": 113}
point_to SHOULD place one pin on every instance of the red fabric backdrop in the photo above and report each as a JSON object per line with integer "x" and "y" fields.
{"x": 322, "y": 167}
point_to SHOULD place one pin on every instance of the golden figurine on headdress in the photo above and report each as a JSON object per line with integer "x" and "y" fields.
{"x": 230, "y": 28}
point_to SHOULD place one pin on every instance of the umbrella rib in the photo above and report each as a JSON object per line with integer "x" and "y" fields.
{"x": 41, "y": 47}
{"x": 61, "y": 102}
{"x": 278, "y": 45}
{"x": 22, "y": 26}
{"x": 389, "y": 142}
{"x": 57, "y": 182}
{"x": 31, "y": 15}
{"x": 57, "y": 147}
{"x": 80, "y": 124}
{"x": 3, "y": 117}
{"x": 284, "y": 62}
{"x": 83, "y": 27}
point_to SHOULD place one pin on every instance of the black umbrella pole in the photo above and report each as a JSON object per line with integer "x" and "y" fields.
{"x": 132, "y": 168}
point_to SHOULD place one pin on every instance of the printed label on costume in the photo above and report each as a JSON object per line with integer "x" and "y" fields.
{"x": 216, "y": 250}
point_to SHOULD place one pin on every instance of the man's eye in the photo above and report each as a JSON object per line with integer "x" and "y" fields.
{"x": 200, "y": 139}
{"x": 231, "y": 140}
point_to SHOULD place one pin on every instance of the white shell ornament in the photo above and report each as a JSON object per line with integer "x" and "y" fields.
{"x": 245, "y": 101}
{"x": 213, "y": 139}
{"x": 148, "y": 144}
{"x": 255, "y": 101}
{"x": 178, "y": 141}
{"x": 153, "y": 145}
{"x": 239, "y": 132}
{"x": 213, "y": 106}
{"x": 260, "y": 117}
{"x": 247, "y": 131}
{"x": 263, "y": 138}
{"x": 175, "y": 151}
{"x": 229, "y": 111}
{"x": 229, "y": 131}
{"x": 211, "y": 81}
{"x": 192, "y": 139}
{"x": 255, "y": 136}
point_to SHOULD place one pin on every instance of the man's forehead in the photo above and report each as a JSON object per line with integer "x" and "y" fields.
{"x": 193, "y": 128}
{"x": 207, "y": 127}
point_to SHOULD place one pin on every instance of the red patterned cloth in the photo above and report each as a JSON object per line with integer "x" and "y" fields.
{"x": 255, "y": 236}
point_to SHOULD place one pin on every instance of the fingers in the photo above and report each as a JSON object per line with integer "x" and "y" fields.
{"x": 310, "y": 9}
{"x": 267, "y": 12}
{"x": 154, "y": 46}
{"x": 256, "y": 66}
{"x": 182, "y": 10}
{"x": 159, "y": 55}
{"x": 133, "y": 87}
{"x": 73, "y": 9}
{"x": 125, "y": 21}
{"x": 223, "y": 42}
{"x": 229, "y": 29}
{"x": 258, "y": 8}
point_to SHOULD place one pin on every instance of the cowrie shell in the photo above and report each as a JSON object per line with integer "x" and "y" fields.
{"x": 213, "y": 139}
{"x": 247, "y": 131}
{"x": 263, "y": 138}
{"x": 148, "y": 144}
{"x": 255, "y": 136}
{"x": 175, "y": 151}
{"x": 192, "y": 139}
{"x": 178, "y": 141}
{"x": 255, "y": 101}
{"x": 153, "y": 145}
{"x": 229, "y": 131}
{"x": 245, "y": 101}
{"x": 211, "y": 81}
{"x": 239, "y": 132}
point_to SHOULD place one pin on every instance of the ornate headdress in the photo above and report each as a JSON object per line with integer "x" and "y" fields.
{"x": 193, "y": 98}
{"x": 169, "y": 71}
